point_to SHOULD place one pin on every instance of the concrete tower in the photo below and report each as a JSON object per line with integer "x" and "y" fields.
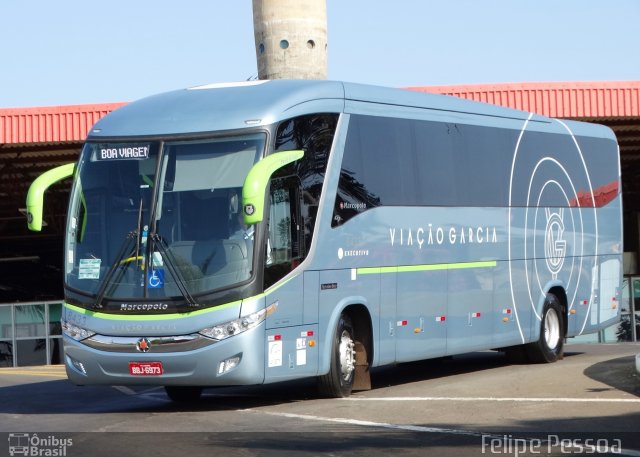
{"x": 291, "y": 38}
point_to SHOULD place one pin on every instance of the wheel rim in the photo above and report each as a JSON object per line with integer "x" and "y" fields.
{"x": 347, "y": 355}
{"x": 552, "y": 329}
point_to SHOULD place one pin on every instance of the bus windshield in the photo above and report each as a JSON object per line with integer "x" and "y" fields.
{"x": 160, "y": 219}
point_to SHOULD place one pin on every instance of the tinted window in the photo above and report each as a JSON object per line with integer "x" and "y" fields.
{"x": 295, "y": 192}
{"x": 551, "y": 171}
{"x": 313, "y": 134}
{"x": 403, "y": 162}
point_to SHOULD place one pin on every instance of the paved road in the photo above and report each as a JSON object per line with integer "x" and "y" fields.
{"x": 474, "y": 404}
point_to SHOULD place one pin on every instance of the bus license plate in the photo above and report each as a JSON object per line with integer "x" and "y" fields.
{"x": 145, "y": 368}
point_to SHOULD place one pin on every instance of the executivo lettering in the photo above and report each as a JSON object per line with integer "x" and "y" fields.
{"x": 432, "y": 235}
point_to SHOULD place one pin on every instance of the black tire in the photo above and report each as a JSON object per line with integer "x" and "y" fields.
{"x": 338, "y": 383}
{"x": 183, "y": 394}
{"x": 550, "y": 345}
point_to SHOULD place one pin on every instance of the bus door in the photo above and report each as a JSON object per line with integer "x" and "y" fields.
{"x": 294, "y": 323}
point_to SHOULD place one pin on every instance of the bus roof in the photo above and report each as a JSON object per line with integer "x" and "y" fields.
{"x": 230, "y": 106}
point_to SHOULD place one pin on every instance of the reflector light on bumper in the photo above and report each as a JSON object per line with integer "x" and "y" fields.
{"x": 229, "y": 364}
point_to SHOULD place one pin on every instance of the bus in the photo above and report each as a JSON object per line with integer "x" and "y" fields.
{"x": 264, "y": 231}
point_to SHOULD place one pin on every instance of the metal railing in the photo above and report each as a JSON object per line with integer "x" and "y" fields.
{"x": 30, "y": 333}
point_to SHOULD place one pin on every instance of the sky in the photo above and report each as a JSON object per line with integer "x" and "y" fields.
{"x": 76, "y": 51}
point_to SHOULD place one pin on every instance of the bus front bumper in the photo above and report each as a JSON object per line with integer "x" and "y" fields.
{"x": 237, "y": 360}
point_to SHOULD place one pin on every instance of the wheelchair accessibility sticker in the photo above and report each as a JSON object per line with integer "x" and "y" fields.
{"x": 156, "y": 279}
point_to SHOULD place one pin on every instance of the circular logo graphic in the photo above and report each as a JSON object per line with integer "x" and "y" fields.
{"x": 340, "y": 253}
{"x": 249, "y": 209}
{"x": 555, "y": 246}
{"x": 553, "y": 228}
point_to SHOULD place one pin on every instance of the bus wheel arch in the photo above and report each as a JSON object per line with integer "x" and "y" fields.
{"x": 561, "y": 295}
{"x": 550, "y": 343}
{"x": 351, "y": 353}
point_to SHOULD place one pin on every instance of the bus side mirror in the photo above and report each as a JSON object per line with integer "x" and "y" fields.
{"x": 35, "y": 196}
{"x": 255, "y": 185}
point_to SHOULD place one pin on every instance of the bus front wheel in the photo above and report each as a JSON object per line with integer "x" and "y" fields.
{"x": 339, "y": 381}
{"x": 550, "y": 345}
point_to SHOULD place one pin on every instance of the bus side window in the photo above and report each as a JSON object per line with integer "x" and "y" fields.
{"x": 284, "y": 250}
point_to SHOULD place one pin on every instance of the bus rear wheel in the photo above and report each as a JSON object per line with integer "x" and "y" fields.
{"x": 183, "y": 394}
{"x": 550, "y": 345}
{"x": 338, "y": 382}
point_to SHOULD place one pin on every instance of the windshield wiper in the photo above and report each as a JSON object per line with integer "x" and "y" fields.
{"x": 112, "y": 269}
{"x": 156, "y": 240}
{"x": 139, "y": 230}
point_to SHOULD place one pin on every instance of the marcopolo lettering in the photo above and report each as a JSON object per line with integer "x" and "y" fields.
{"x": 357, "y": 206}
{"x": 144, "y": 307}
{"x": 123, "y": 152}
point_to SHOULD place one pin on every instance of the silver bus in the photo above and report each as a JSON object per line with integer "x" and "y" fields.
{"x": 257, "y": 232}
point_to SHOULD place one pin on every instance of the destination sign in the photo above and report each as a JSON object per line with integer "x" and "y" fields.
{"x": 122, "y": 151}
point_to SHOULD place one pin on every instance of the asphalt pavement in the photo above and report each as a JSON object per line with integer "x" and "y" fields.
{"x": 473, "y": 404}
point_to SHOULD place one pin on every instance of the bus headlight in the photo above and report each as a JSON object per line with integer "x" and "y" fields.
{"x": 75, "y": 332}
{"x": 236, "y": 326}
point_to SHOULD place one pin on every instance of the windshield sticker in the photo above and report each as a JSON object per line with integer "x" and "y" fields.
{"x": 89, "y": 269}
{"x": 157, "y": 260}
{"x": 123, "y": 152}
{"x": 156, "y": 279}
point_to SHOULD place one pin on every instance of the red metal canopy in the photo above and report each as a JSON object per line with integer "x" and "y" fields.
{"x": 604, "y": 99}
{"x": 52, "y": 124}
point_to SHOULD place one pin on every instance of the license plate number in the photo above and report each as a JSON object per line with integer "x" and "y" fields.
{"x": 145, "y": 368}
